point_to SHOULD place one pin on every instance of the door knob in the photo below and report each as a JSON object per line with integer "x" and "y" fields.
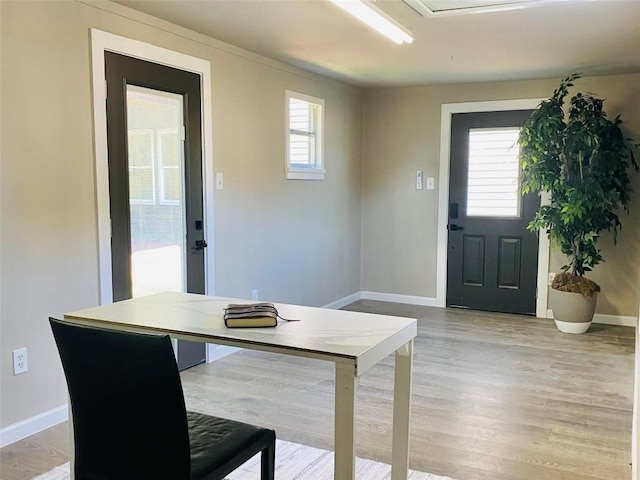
{"x": 453, "y": 227}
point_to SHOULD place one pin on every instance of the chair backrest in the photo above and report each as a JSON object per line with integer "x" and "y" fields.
{"x": 129, "y": 416}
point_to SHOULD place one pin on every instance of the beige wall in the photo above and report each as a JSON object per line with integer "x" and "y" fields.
{"x": 402, "y": 135}
{"x": 295, "y": 241}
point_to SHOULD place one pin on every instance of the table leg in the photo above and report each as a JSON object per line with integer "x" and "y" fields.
{"x": 401, "y": 412}
{"x": 345, "y": 422}
{"x": 72, "y": 445}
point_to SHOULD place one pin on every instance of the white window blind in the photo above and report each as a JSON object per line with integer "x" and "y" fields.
{"x": 493, "y": 188}
{"x": 302, "y": 137}
{"x": 304, "y": 124}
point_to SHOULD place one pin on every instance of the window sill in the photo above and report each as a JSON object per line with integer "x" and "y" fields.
{"x": 305, "y": 175}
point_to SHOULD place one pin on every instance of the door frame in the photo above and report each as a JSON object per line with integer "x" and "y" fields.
{"x": 448, "y": 109}
{"x": 103, "y": 41}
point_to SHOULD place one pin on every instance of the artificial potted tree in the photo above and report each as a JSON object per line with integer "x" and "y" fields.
{"x": 583, "y": 161}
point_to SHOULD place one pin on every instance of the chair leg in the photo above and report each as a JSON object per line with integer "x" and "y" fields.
{"x": 268, "y": 462}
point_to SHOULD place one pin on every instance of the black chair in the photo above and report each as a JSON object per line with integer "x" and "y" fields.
{"x": 129, "y": 415}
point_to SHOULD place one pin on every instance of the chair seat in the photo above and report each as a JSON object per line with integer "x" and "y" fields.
{"x": 218, "y": 446}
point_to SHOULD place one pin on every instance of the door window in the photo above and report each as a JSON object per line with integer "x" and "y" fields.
{"x": 156, "y": 205}
{"x": 493, "y": 188}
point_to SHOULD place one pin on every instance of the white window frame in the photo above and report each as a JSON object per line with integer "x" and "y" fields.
{"x": 315, "y": 171}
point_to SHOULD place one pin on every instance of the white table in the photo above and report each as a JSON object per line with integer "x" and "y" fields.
{"x": 353, "y": 341}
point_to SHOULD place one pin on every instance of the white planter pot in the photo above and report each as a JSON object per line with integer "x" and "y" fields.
{"x": 572, "y": 312}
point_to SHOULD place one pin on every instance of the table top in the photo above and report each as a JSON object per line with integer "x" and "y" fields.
{"x": 361, "y": 339}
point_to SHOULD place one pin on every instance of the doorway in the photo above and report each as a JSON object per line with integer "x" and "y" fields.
{"x": 492, "y": 257}
{"x": 447, "y": 112}
{"x": 155, "y": 183}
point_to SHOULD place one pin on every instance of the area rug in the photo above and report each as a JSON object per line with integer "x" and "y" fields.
{"x": 293, "y": 462}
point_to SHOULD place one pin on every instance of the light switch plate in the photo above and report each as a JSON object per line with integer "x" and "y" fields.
{"x": 418, "y": 179}
{"x": 219, "y": 181}
{"x": 431, "y": 183}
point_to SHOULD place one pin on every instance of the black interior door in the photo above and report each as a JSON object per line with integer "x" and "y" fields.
{"x": 492, "y": 259}
{"x": 155, "y": 183}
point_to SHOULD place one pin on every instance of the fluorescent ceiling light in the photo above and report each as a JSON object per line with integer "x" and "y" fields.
{"x": 376, "y": 19}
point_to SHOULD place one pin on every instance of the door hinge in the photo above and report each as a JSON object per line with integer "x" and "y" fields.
{"x": 105, "y": 88}
{"x": 183, "y": 133}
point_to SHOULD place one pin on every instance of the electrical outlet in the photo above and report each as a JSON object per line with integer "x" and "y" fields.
{"x": 254, "y": 295}
{"x": 552, "y": 275}
{"x": 20, "y": 361}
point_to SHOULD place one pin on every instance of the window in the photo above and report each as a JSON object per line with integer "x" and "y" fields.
{"x": 304, "y": 128}
{"x": 170, "y": 158}
{"x": 494, "y": 172}
{"x": 141, "y": 172}
{"x": 155, "y": 172}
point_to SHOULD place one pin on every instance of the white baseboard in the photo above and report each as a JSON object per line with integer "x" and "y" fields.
{"x": 343, "y": 302}
{"x": 615, "y": 320}
{"x": 396, "y": 298}
{"x": 35, "y": 424}
{"x": 620, "y": 320}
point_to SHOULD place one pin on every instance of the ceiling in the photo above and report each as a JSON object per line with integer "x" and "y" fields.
{"x": 593, "y": 37}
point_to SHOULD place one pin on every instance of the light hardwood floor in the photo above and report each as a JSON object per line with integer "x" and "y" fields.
{"x": 495, "y": 396}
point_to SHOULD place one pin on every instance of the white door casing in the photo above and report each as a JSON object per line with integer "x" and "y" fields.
{"x": 103, "y": 41}
{"x": 448, "y": 109}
